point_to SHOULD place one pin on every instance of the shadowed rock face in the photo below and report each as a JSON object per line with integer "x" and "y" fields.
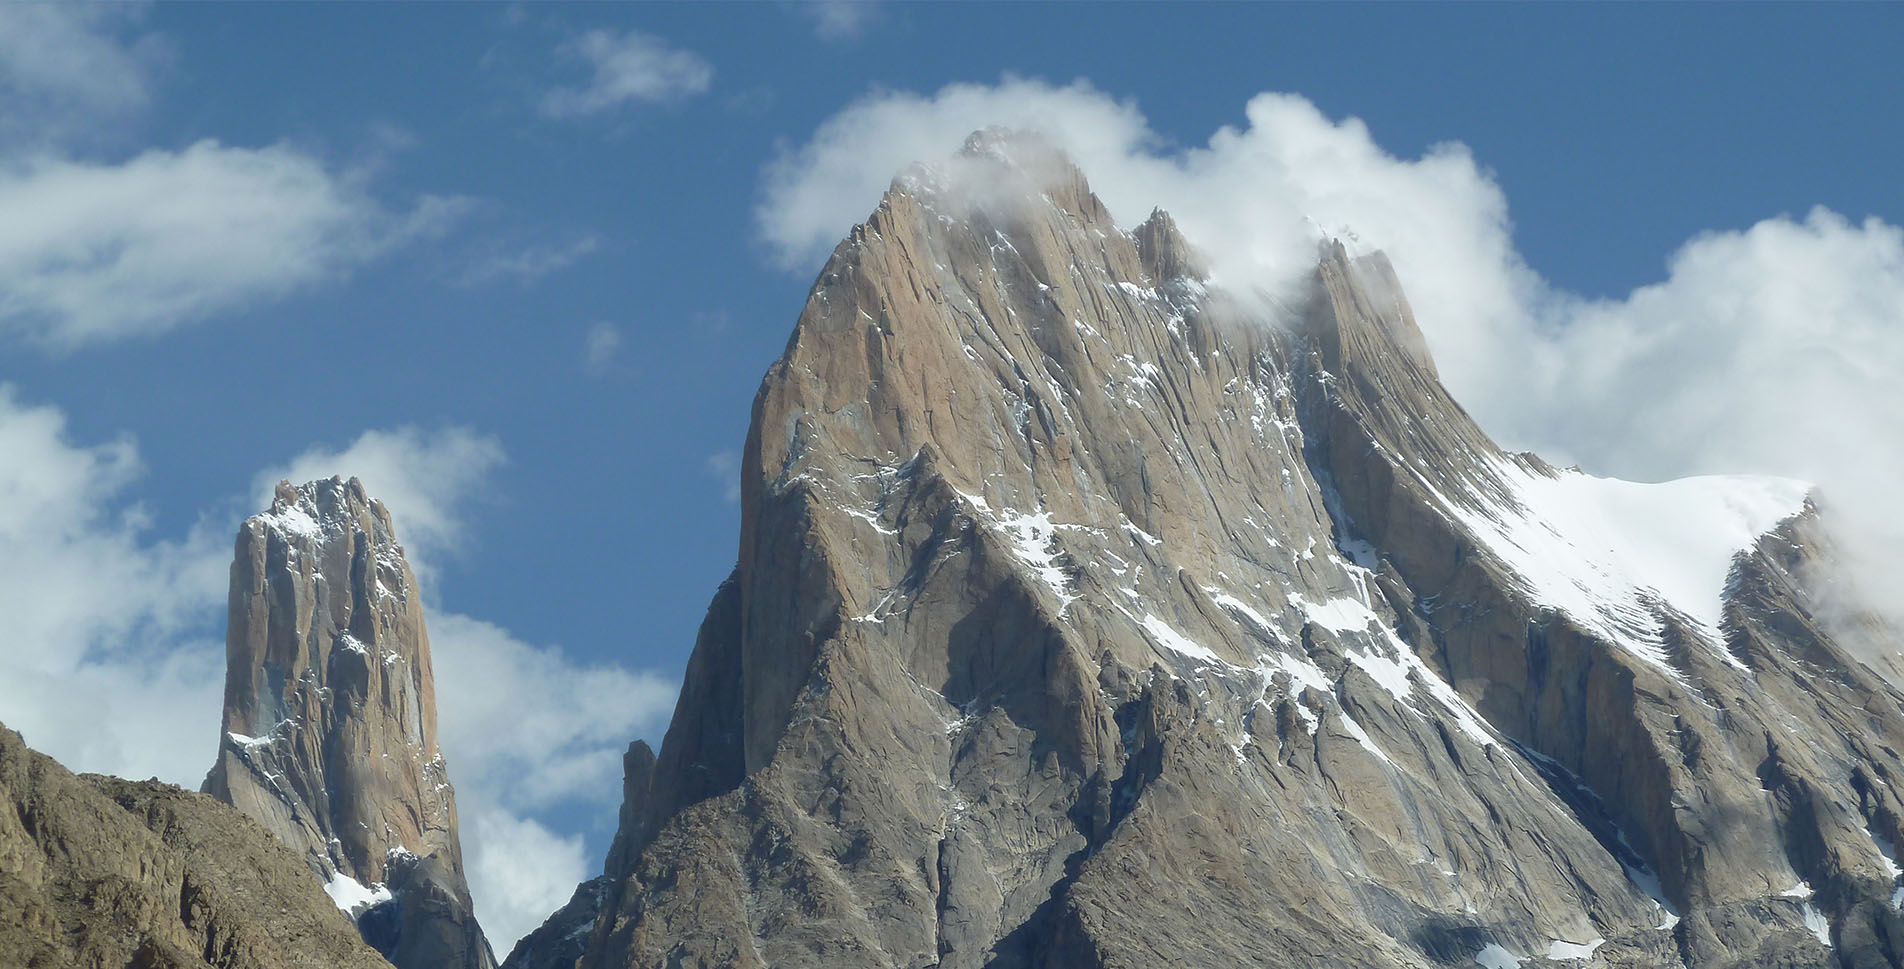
{"x": 1087, "y": 617}
{"x": 330, "y": 721}
{"x": 98, "y": 871}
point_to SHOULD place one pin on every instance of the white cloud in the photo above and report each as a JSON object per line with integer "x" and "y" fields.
{"x": 1256, "y": 199}
{"x": 1775, "y": 349}
{"x": 92, "y": 252}
{"x": 568, "y": 724}
{"x": 838, "y": 19}
{"x": 107, "y": 662}
{"x": 1778, "y": 348}
{"x": 425, "y": 478}
{"x": 625, "y": 68}
{"x": 519, "y": 872}
{"x": 529, "y": 263}
{"x": 95, "y": 249}
{"x": 62, "y": 64}
{"x": 814, "y": 193}
{"x": 599, "y": 348}
{"x": 724, "y": 466}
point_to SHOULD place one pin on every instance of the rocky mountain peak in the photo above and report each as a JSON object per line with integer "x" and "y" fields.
{"x": 329, "y": 507}
{"x": 1166, "y": 256}
{"x": 329, "y": 727}
{"x": 1085, "y": 617}
{"x": 1002, "y": 176}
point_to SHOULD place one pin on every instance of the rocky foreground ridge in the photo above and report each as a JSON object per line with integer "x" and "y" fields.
{"x": 97, "y": 871}
{"x": 1086, "y": 616}
{"x": 329, "y": 725}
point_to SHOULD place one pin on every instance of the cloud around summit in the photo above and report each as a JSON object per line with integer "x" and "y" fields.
{"x": 1772, "y": 349}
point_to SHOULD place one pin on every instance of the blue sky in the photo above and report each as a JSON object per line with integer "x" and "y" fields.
{"x": 547, "y": 289}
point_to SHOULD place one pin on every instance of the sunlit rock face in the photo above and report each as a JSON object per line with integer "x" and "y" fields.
{"x": 329, "y": 735}
{"x": 1089, "y": 615}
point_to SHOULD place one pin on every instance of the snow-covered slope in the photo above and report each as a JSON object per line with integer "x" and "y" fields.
{"x": 1612, "y": 554}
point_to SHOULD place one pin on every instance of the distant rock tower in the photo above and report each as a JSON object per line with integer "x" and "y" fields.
{"x": 329, "y": 735}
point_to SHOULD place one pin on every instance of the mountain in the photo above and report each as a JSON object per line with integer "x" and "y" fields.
{"x": 97, "y": 871}
{"x": 329, "y": 727}
{"x": 1087, "y": 614}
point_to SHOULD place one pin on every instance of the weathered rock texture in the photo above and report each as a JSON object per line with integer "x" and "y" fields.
{"x": 98, "y": 871}
{"x": 330, "y": 721}
{"x": 1085, "y": 617}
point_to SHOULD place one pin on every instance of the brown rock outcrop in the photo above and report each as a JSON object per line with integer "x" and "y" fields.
{"x": 98, "y": 871}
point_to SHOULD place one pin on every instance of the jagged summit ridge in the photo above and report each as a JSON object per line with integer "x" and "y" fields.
{"x": 1082, "y": 618}
{"x": 329, "y": 727}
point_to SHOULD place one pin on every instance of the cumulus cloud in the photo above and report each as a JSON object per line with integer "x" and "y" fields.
{"x": 92, "y": 252}
{"x": 568, "y": 724}
{"x": 599, "y": 348}
{"x": 1774, "y": 349}
{"x": 1256, "y": 199}
{"x": 519, "y": 871}
{"x": 88, "y": 592}
{"x": 624, "y": 68}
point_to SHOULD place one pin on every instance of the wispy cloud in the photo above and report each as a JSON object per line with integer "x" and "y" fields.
{"x": 625, "y": 68}
{"x": 93, "y": 252}
{"x": 724, "y": 467}
{"x": 599, "y": 348}
{"x": 529, "y": 263}
{"x": 838, "y": 19}
{"x": 65, "y": 66}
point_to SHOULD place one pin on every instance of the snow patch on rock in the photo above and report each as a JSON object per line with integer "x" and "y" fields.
{"x": 1609, "y": 552}
{"x": 353, "y": 897}
{"x": 1560, "y": 950}
{"x": 1495, "y": 957}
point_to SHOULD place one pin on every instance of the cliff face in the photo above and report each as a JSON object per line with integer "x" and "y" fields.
{"x": 97, "y": 871}
{"x": 329, "y": 735}
{"x": 1085, "y": 616}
